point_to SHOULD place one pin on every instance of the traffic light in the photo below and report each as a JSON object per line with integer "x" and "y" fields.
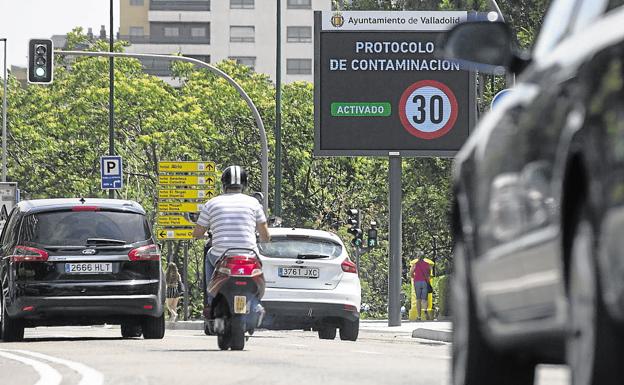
{"x": 372, "y": 234}
{"x": 40, "y": 61}
{"x": 355, "y": 230}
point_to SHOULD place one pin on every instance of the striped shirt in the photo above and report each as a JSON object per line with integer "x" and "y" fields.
{"x": 232, "y": 219}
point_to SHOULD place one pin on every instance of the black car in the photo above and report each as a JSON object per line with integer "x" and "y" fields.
{"x": 539, "y": 203}
{"x": 80, "y": 262}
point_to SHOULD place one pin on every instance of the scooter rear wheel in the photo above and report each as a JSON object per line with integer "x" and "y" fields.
{"x": 223, "y": 340}
{"x": 237, "y": 332}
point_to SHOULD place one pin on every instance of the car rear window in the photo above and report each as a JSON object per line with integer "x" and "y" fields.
{"x": 291, "y": 247}
{"x": 75, "y": 227}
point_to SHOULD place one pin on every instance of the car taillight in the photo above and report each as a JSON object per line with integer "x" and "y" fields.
{"x": 145, "y": 253}
{"x": 348, "y": 266}
{"x": 28, "y": 254}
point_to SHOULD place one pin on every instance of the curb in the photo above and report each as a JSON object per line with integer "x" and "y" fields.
{"x": 435, "y": 335}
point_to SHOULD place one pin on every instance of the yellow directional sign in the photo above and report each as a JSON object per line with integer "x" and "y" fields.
{"x": 187, "y": 180}
{"x": 186, "y": 167}
{"x": 173, "y": 220}
{"x": 174, "y": 233}
{"x": 186, "y": 194}
{"x": 179, "y": 207}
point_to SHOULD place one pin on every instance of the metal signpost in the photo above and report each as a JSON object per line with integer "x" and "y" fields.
{"x": 183, "y": 189}
{"x": 8, "y": 199}
{"x": 383, "y": 89}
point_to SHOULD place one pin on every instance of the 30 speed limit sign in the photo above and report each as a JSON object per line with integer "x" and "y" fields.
{"x": 428, "y": 109}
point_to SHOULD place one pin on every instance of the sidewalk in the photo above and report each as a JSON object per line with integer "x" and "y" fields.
{"x": 430, "y": 330}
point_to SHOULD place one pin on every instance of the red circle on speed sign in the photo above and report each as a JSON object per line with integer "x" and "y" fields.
{"x": 428, "y": 109}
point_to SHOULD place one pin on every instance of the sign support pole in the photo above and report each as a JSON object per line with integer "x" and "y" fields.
{"x": 394, "y": 270}
{"x": 111, "y": 95}
{"x": 186, "y": 286}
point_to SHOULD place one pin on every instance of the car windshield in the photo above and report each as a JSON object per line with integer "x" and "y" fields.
{"x": 82, "y": 227}
{"x": 288, "y": 247}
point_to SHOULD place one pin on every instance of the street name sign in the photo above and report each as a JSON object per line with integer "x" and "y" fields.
{"x": 186, "y": 194}
{"x": 170, "y": 234}
{"x": 111, "y": 172}
{"x": 184, "y": 186}
{"x": 186, "y": 167}
{"x": 187, "y": 180}
{"x": 173, "y": 221}
{"x": 382, "y": 86}
{"x": 179, "y": 207}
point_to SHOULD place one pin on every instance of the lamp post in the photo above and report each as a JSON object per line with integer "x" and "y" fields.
{"x": 4, "y": 114}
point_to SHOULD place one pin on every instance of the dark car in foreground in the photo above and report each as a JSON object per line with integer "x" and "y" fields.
{"x": 539, "y": 203}
{"x": 80, "y": 262}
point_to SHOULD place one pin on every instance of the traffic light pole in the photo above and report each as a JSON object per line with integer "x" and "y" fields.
{"x": 394, "y": 271}
{"x": 264, "y": 149}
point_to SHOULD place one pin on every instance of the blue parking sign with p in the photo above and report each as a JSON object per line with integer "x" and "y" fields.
{"x": 111, "y": 172}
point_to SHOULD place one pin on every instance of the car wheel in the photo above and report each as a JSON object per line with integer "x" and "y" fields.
{"x": 474, "y": 362}
{"x": 11, "y": 330}
{"x": 154, "y": 327}
{"x": 327, "y": 333}
{"x": 349, "y": 330}
{"x": 130, "y": 330}
{"x": 592, "y": 349}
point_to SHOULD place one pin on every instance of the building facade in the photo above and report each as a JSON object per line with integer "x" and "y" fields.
{"x": 214, "y": 30}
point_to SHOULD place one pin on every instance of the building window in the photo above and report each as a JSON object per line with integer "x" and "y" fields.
{"x": 249, "y": 61}
{"x": 198, "y": 31}
{"x": 242, "y": 4}
{"x": 172, "y": 31}
{"x": 136, "y": 2}
{"x": 299, "y": 34}
{"x": 299, "y": 4}
{"x": 244, "y": 34}
{"x": 136, "y": 31}
{"x": 299, "y": 66}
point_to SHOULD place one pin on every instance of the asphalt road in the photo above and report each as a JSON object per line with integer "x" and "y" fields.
{"x": 95, "y": 356}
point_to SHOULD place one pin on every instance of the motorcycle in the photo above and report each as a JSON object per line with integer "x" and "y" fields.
{"x": 237, "y": 286}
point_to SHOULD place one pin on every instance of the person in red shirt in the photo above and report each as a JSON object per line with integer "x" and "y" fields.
{"x": 421, "y": 274}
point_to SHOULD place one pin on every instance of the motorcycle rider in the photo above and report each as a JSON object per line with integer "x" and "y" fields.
{"x": 233, "y": 219}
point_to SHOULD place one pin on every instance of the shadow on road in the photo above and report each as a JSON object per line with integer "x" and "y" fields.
{"x": 73, "y": 339}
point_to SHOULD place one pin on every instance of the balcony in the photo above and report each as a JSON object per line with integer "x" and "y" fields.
{"x": 146, "y": 39}
{"x": 179, "y": 5}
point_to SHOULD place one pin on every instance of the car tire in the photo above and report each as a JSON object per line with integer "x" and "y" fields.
{"x": 11, "y": 329}
{"x": 593, "y": 348}
{"x": 327, "y": 333}
{"x": 474, "y": 361}
{"x": 237, "y": 332}
{"x": 154, "y": 327}
{"x": 349, "y": 330}
{"x": 130, "y": 330}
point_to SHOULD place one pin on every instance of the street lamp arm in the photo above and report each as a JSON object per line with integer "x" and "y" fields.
{"x": 263, "y": 137}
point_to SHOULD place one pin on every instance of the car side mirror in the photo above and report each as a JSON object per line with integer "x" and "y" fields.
{"x": 488, "y": 47}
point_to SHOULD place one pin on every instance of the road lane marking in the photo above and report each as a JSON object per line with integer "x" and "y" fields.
{"x": 89, "y": 375}
{"x": 47, "y": 374}
{"x": 367, "y": 352}
{"x": 295, "y": 345}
